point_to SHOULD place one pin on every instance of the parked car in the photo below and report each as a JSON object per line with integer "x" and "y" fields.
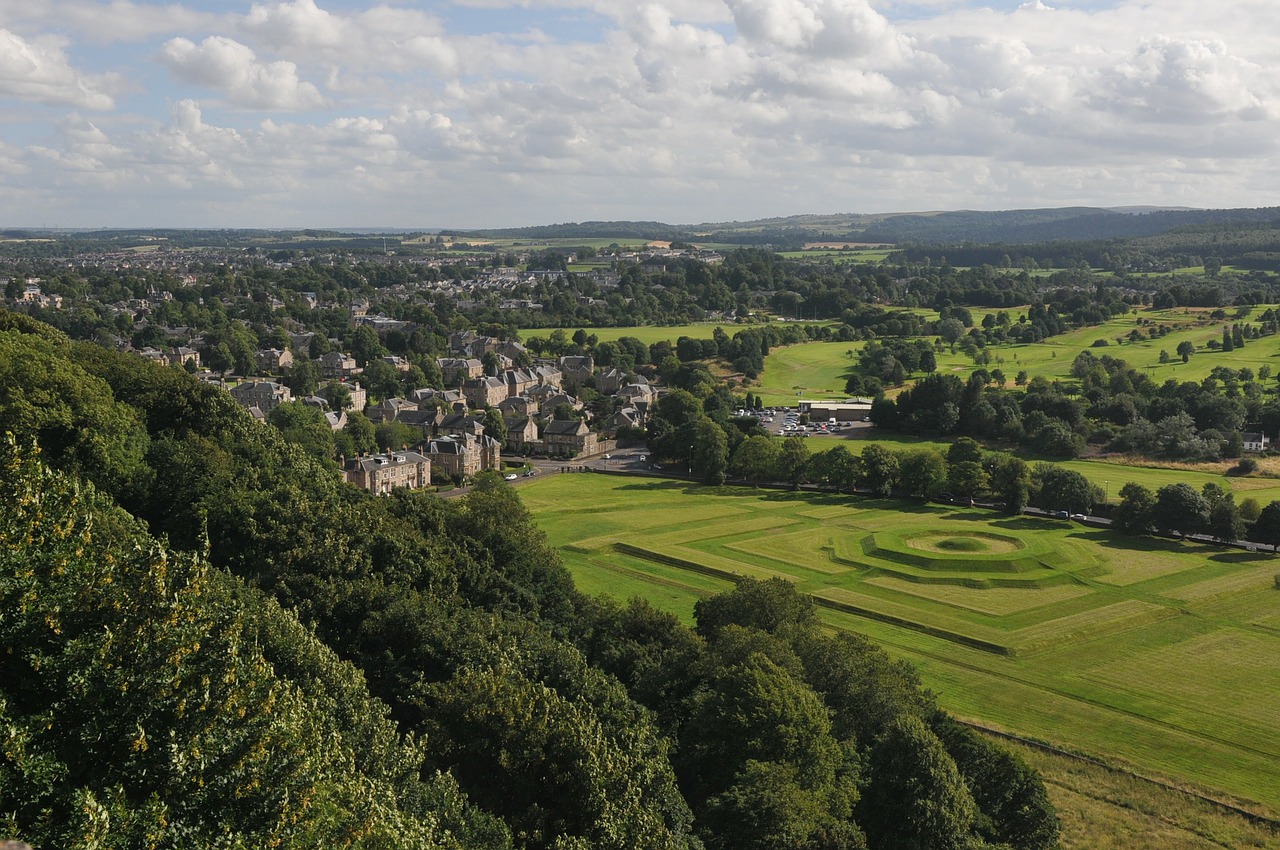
{"x": 510, "y": 476}
{"x": 1061, "y": 515}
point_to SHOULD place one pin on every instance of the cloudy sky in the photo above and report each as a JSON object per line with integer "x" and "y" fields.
{"x": 467, "y": 113}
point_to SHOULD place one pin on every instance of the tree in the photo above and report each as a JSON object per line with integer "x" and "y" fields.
{"x": 879, "y": 469}
{"x": 793, "y": 461}
{"x": 916, "y": 798}
{"x": 765, "y": 604}
{"x": 305, "y": 426}
{"x": 365, "y": 346}
{"x": 755, "y": 459}
{"x": 1136, "y": 512}
{"x": 1186, "y": 349}
{"x": 1267, "y": 529}
{"x": 964, "y": 449}
{"x": 1225, "y": 523}
{"x": 967, "y": 479}
{"x": 494, "y": 425}
{"x": 836, "y": 467}
{"x": 1010, "y": 481}
{"x": 1058, "y": 489}
{"x": 950, "y": 330}
{"x": 921, "y": 472}
{"x": 1014, "y": 806}
{"x": 1180, "y": 508}
{"x": 382, "y": 379}
{"x": 710, "y": 451}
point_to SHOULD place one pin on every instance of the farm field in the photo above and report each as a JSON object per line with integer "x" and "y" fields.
{"x": 1154, "y": 654}
{"x": 822, "y": 367}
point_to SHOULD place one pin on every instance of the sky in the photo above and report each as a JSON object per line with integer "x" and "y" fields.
{"x": 499, "y": 113}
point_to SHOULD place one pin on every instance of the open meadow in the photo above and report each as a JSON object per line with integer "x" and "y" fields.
{"x": 1158, "y": 655}
{"x": 822, "y": 368}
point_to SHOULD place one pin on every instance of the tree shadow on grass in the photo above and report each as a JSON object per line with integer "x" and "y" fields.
{"x": 1238, "y": 557}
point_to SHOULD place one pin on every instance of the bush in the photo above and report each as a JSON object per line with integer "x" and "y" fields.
{"x": 1246, "y": 466}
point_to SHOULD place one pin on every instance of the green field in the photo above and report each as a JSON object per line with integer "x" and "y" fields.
{"x": 1155, "y": 654}
{"x": 822, "y": 367}
{"x": 1109, "y": 474}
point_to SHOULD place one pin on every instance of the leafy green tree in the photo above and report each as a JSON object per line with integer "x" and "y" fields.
{"x": 793, "y": 461}
{"x": 303, "y": 378}
{"x": 765, "y": 604}
{"x": 837, "y": 467}
{"x": 393, "y": 436}
{"x": 337, "y": 394}
{"x": 1136, "y": 512}
{"x": 1180, "y": 508}
{"x": 1225, "y": 523}
{"x": 964, "y": 449}
{"x": 710, "y": 451}
{"x": 304, "y": 426}
{"x": 922, "y": 472}
{"x": 494, "y": 425}
{"x": 382, "y": 379}
{"x": 917, "y": 797}
{"x": 769, "y": 807}
{"x": 365, "y": 346}
{"x": 1185, "y": 350}
{"x": 1010, "y": 481}
{"x": 755, "y": 711}
{"x": 1267, "y": 528}
{"x": 967, "y": 479}
{"x": 755, "y": 459}
{"x": 879, "y": 470}
{"x": 1058, "y": 489}
{"x": 72, "y": 414}
{"x": 1013, "y": 806}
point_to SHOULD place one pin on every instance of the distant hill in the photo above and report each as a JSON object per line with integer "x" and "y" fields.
{"x": 945, "y": 227}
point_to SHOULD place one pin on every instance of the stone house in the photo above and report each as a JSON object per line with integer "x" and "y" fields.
{"x": 522, "y": 432}
{"x": 383, "y": 473}
{"x": 485, "y": 392}
{"x": 274, "y": 360}
{"x": 462, "y": 455}
{"x": 335, "y": 364}
{"x": 459, "y": 370}
{"x": 264, "y": 395}
{"x": 569, "y": 437}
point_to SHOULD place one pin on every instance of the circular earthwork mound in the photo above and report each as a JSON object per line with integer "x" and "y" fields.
{"x": 963, "y": 543}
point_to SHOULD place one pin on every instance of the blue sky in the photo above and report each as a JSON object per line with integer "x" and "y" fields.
{"x": 332, "y": 113}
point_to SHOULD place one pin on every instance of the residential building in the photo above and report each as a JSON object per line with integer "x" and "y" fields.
{"x": 463, "y": 455}
{"x": 274, "y": 360}
{"x": 383, "y": 473}
{"x": 335, "y": 364}
{"x": 485, "y": 392}
{"x": 458, "y": 370}
{"x": 264, "y": 395}
{"x": 1255, "y": 441}
{"x": 569, "y": 437}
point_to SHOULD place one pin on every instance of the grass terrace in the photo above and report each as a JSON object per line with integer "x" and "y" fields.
{"x": 1158, "y": 655}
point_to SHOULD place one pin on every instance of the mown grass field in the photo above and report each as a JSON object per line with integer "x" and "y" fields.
{"x": 1155, "y": 654}
{"x": 1109, "y": 473}
{"x": 822, "y": 368}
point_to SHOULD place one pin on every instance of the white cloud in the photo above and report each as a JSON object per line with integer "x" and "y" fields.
{"x": 382, "y": 37}
{"x": 232, "y": 68}
{"x": 39, "y": 71}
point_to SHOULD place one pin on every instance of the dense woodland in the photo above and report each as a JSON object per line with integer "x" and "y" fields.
{"x": 211, "y": 640}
